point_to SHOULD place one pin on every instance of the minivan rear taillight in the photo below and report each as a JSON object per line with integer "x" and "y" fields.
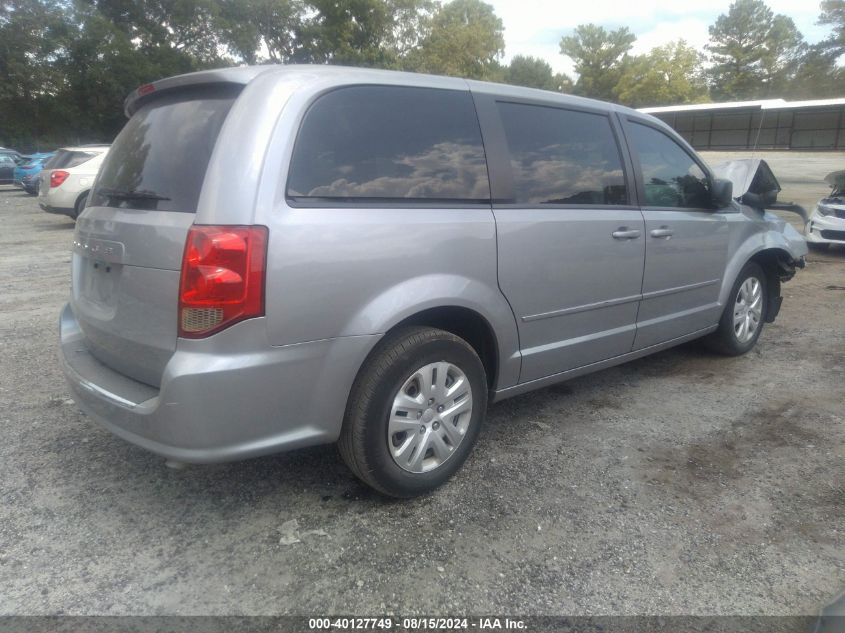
{"x": 222, "y": 278}
{"x": 57, "y": 177}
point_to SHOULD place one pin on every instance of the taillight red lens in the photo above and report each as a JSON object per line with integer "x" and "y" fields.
{"x": 57, "y": 177}
{"x": 222, "y": 278}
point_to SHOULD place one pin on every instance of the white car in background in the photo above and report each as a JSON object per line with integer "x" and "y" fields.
{"x": 68, "y": 177}
{"x": 826, "y": 225}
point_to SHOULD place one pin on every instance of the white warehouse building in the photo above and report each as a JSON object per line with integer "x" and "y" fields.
{"x": 766, "y": 124}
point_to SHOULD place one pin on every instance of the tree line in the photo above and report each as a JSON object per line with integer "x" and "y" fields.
{"x": 67, "y": 65}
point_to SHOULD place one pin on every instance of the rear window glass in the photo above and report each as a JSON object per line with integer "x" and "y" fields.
{"x": 562, "y": 156}
{"x": 390, "y": 143}
{"x": 65, "y": 159}
{"x": 159, "y": 159}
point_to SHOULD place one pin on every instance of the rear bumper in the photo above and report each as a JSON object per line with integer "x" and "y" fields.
{"x": 61, "y": 199}
{"x": 218, "y": 401}
{"x": 57, "y": 210}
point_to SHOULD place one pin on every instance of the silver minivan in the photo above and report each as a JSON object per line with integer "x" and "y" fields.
{"x": 275, "y": 257}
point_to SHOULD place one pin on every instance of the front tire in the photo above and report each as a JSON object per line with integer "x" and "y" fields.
{"x": 415, "y": 411}
{"x": 744, "y": 314}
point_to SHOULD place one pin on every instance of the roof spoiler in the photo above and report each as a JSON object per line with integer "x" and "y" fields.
{"x": 237, "y": 75}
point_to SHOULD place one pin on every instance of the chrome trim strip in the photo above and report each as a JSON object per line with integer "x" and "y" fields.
{"x": 616, "y": 302}
{"x": 671, "y": 291}
{"x": 582, "y": 308}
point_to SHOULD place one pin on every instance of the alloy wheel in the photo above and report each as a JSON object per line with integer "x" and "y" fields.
{"x": 748, "y": 310}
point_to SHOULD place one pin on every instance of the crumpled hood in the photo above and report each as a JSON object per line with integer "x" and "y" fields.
{"x": 836, "y": 179}
{"x": 742, "y": 172}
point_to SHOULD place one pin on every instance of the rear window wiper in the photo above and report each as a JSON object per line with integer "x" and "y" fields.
{"x": 137, "y": 194}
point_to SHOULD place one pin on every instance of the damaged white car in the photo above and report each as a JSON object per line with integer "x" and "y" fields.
{"x": 826, "y": 224}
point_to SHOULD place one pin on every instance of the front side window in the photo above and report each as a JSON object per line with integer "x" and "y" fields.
{"x": 389, "y": 143}
{"x": 562, "y": 156}
{"x": 671, "y": 178}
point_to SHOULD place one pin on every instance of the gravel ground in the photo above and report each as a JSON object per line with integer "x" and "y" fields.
{"x": 683, "y": 483}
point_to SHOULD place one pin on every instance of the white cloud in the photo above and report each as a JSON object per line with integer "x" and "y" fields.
{"x": 693, "y": 32}
{"x": 534, "y": 27}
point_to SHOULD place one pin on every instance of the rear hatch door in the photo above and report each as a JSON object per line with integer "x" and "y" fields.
{"x": 128, "y": 244}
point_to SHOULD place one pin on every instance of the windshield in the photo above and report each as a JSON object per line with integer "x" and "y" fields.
{"x": 159, "y": 159}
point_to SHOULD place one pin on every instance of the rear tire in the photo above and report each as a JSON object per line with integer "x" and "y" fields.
{"x": 80, "y": 205}
{"x": 393, "y": 437}
{"x": 744, "y": 314}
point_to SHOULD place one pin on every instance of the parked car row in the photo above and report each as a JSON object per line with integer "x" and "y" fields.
{"x": 67, "y": 178}
{"x": 61, "y": 179}
{"x": 26, "y": 173}
{"x": 14, "y": 166}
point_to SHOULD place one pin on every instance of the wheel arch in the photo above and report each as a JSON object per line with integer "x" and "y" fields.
{"x": 467, "y": 307}
{"x": 76, "y": 202}
{"x": 778, "y": 265}
{"x": 467, "y": 324}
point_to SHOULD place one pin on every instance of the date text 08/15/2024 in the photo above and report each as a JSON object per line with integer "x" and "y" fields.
{"x": 416, "y": 624}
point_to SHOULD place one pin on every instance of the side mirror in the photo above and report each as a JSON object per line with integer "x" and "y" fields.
{"x": 762, "y": 200}
{"x": 753, "y": 181}
{"x": 722, "y": 193}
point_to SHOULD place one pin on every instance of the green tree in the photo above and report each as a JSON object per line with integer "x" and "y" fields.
{"x": 361, "y": 32}
{"x": 818, "y": 76}
{"x": 168, "y": 29}
{"x": 250, "y": 27}
{"x": 100, "y": 66}
{"x": 833, "y": 13}
{"x": 666, "y": 75}
{"x": 33, "y": 34}
{"x": 465, "y": 39}
{"x": 754, "y": 53}
{"x": 349, "y": 32}
{"x": 533, "y": 72}
{"x": 599, "y": 57}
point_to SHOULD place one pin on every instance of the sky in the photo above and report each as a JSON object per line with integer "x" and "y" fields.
{"x": 534, "y": 27}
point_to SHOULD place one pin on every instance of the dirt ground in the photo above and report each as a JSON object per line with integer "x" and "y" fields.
{"x": 682, "y": 483}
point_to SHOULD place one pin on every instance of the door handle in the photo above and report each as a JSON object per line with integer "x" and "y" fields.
{"x": 624, "y": 233}
{"x": 663, "y": 231}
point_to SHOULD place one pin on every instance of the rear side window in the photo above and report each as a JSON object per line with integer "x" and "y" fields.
{"x": 65, "y": 159}
{"x": 159, "y": 159}
{"x": 562, "y": 156}
{"x": 671, "y": 178}
{"x": 389, "y": 143}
